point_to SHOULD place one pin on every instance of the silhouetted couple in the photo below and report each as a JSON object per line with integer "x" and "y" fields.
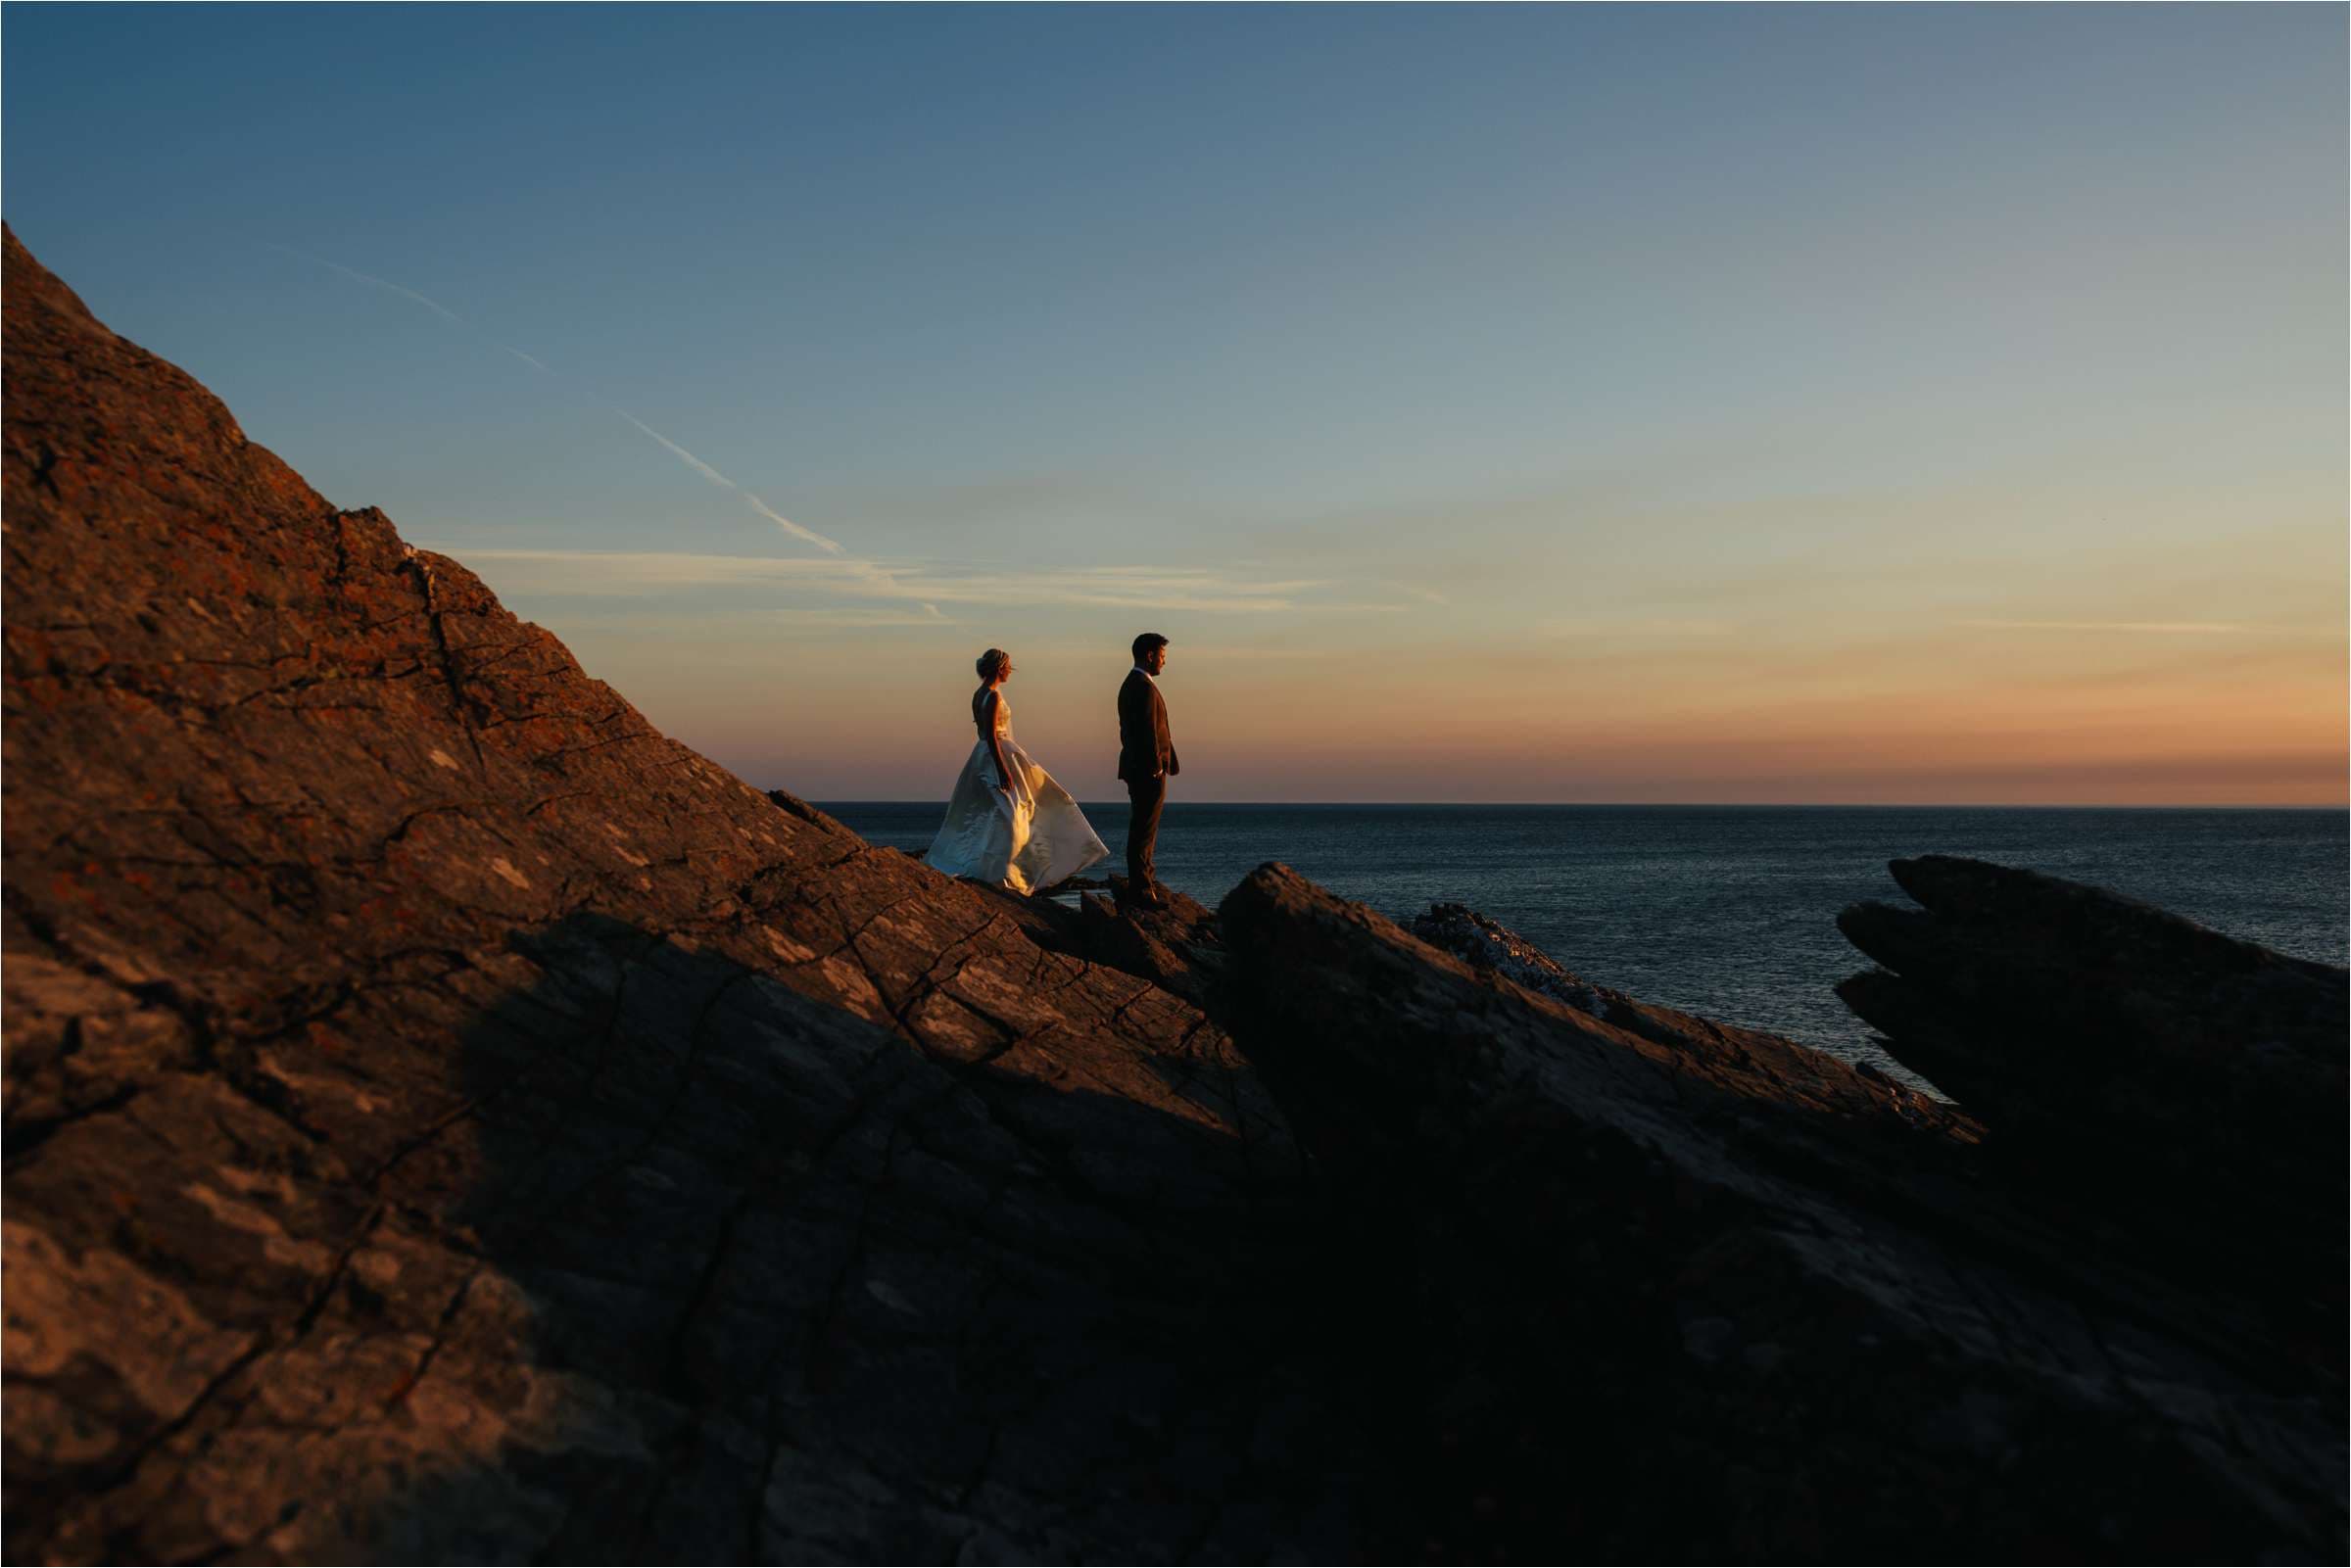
{"x": 1010, "y": 824}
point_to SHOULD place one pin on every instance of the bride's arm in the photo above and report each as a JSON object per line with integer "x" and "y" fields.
{"x": 995, "y": 741}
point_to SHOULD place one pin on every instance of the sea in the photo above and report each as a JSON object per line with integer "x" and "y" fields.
{"x": 1731, "y": 910}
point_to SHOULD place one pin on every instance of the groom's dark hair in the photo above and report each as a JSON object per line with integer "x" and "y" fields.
{"x": 1146, "y": 643}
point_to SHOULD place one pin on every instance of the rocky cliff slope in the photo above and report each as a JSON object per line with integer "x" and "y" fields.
{"x": 445, "y": 1115}
{"x": 448, "y": 1121}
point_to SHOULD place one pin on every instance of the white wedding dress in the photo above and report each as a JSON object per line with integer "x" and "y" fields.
{"x": 1033, "y": 841}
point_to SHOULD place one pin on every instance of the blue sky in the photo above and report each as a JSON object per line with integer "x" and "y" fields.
{"x": 1654, "y": 403}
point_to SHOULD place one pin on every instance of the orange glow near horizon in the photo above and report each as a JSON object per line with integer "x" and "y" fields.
{"x": 1922, "y": 724}
{"x": 2084, "y": 640}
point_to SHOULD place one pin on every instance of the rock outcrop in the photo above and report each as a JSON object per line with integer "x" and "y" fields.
{"x": 2188, "y": 1085}
{"x": 446, "y": 1119}
{"x": 2087, "y": 1022}
{"x": 1705, "y": 1288}
{"x": 1489, "y": 946}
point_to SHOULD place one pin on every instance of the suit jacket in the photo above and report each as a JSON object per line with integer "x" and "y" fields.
{"x": 1145, "y": 748}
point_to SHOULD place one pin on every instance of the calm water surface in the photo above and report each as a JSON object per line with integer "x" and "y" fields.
{"x": 1730, "y": 911}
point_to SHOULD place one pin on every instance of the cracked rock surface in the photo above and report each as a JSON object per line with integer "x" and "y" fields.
{"x": 447, "y": 1119}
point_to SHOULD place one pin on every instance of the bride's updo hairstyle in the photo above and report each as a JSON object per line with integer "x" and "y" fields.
{"x": 991, "y": 662}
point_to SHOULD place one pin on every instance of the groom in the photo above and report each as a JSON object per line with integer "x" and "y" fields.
{"x": 1146, "y": 761}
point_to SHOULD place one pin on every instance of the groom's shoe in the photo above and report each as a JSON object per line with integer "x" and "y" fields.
{"x": 1152, "y": 897}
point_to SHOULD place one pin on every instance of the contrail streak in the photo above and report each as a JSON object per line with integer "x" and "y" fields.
{"x": 2170, "y": 628}
{"x": 374, "y": 282}
{"x": 1107, "y": 587}
{"x": 716, "y": 478}
{"x": 806, "y": 535}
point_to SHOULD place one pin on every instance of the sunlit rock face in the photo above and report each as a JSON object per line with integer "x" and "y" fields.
{"x": 448, "y": 1121}
{"x": 448, "y": 1118}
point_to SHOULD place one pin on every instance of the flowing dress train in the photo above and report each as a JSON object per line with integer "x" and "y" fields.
{"x": 1035, "y": 840}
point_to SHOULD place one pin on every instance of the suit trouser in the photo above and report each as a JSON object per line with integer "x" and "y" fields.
{"x": 1144, "y": 798}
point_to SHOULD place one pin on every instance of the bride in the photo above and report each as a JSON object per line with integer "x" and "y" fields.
{"x": 1008, "y": 823}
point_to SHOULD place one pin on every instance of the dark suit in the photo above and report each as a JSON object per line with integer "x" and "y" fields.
{"x": 1146, "y": 760}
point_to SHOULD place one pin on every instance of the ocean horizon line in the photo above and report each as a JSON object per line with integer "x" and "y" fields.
{"x": 1639, "y": 805}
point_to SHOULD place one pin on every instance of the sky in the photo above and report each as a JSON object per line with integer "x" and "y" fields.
{"x": 1840, "y": 403}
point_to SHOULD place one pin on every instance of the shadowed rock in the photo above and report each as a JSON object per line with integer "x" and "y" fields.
{"x": 1734, "y": 1284}
{"x": 2194, "y": 1081}
{"x": 1486, "y": 944}
{"x": 2075, "y": 1013}
{"x": 447, "y": 1119}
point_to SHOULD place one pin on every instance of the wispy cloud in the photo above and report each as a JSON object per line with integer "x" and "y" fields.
{"x": 1650, "y": 626}
{"x": 1220, "y": 653}
{"x": 621, "y": 574}
{"x": 2158, "y": 628}
{"x": 829, "y": 619}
